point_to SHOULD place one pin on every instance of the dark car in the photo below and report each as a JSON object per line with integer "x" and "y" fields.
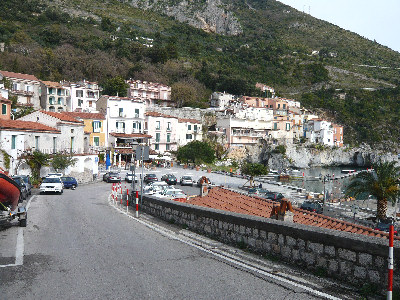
{"x": 274, "y": 196}
{"x": 113, "y": 177}
{"x": 169, "y": 178}
{"x": 312, "y": 206}
{"x": 27, "y": 181}
{"x": 69, "y": 182}
{"x": 150, "y": 178}
{"x": 22, "y": 186}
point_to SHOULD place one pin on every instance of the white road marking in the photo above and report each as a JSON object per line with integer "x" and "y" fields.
{"x": 172, "y": 235}
{"x": 19, "y": 250}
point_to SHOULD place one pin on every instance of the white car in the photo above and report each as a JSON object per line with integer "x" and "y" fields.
{"x": 129, "y": 177}
{"x": 171, "y": 194}
{"x": 155, "y": 187}
{"x": 186, "y": 180}
{"x": 52, "y": 184}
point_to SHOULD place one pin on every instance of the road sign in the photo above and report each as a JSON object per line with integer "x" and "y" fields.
{"x": 142, "y": 152}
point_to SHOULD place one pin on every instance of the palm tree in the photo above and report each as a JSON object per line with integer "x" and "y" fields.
{"x": 381, "y": 183}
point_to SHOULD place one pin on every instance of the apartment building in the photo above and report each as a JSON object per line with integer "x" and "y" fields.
{"x": 83, "y": 96}
{"x": 151, "y": 93}
{"x": 164, "y": 131}
{"x": 319, "y": 131}
{"x": 189, "y": 130}
{"x": 5, "y": 109}
{"x": 25, "y": 87}
{"x": 53, "y": 96}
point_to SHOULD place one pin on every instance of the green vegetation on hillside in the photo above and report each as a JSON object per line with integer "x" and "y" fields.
{"x": 101, "y": 40}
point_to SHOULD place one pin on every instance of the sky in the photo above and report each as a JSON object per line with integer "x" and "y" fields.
{"x": 374, "y": 19}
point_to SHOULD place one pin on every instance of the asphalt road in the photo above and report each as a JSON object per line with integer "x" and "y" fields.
{"x": 77, "y": 246}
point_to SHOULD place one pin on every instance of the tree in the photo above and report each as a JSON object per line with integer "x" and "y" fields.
{"x": 254, "y": 169}
{"x": 196, "y": 152}
{"x": 115, "y": 87}
{"x": 381, "y": 183}
{"x": 61, "y": 161}
{"x": 182, "y": 92}
{"x": 36, "y": 160}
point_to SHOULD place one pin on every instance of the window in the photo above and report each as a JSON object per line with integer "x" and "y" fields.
{"x": 189, "y": 127}
{"x": 284, "y": 106}
{"x": 156, "y": 146}
{"x": 51, "y": 108}
{"x": 275, "y": 126}
{"x": 168, "y": 138}
{"x": 36, "y": 142}
{"x": 60, "y": 101}
{"x": 120, "y": 126}
{"x": 279, "y": 105}
{"x": 136, "y": 113}
{"x": 79, "y": 93}
{"x": 54, "y": 144}
{"x": 169, "y": 126}
{"x": 28, "y": 88}
{"x": 96, "y": 126}
{"x": 157, "y": 137}
{"x": 195, "y": 127}
{"x": 51, "y": 100}
{"x": 4, "y": 109}
{"x": 188, "y": 136}
{"x": 121, "y": 112}
{"x": 13, "y": 142}
{"x": 158, "y": 125}
{"x": 72, "y": 142}
{"x": 80, "y": 102}
{"x": 15, "y": 86}
{"x": 96, "y": 141}
{"x": 167, "y": 147}
{"x": 287, "y": 126}
{"x": 90, "y": 103}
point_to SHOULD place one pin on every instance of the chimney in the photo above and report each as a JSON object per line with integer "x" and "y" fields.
{"x": 284, "y": 211}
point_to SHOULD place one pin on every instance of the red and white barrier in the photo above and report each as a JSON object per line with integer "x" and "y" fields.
{"x": 390, "y": 263}
{"x": 137, "y": 204}
{"x": 127, "y": 200}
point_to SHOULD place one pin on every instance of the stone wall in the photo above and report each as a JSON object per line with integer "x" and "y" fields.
{"x": 353, "y": 258}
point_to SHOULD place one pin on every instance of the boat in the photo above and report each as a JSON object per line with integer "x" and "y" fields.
{"x": 348, "y": 171}
{"x": 9, "y": 192}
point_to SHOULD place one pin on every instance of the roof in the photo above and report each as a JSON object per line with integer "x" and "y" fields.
{"x": 157, "y": 114}
{"x": 4, "y": 100}
{"x": 85, "y": 115}
{"x": 61, "y": 116}
{"x": 189, "y": 121}
{"x": 220, "y": 198}
{"x": 132, "y": 135}
{"x": 52, "y": 84}
{"x": 18, "y": 75}
{"x": 26, "y": 126}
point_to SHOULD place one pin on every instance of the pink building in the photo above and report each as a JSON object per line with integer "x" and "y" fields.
{"x": 163, "y": 129}
{"x": 152, "y": 93}
{"x": 337, "y": 135}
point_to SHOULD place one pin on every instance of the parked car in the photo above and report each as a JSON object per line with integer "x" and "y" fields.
{"x": 69, "y": 182}
{"x": 257, "y": 191}
{"x": 112, "y": 177}
{"x": 149, "y": 178}
{"x": 186, "y": 180}
{"x": 129, "y": 177}
{"x": 274, "y": 196}
{"x": 169, "y": 178}
{"x": 312, "y": 206}
{"x": 55, "y": 175}
{"x": 52, "y": 184}
{"x": 171, "y": 194}
{"x": 155, "y": 187}
{"x": 23, "y": 188}
{"x": 27, "y": 181}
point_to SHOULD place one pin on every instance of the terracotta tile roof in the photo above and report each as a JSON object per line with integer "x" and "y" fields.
{"x": 189, "y": 121}
{"x": 26, "y": 126}
{"x": 52, "y": 84}
{"x": 4, "y": 100}
{"x": 157, "y": 114}
{"x": 18, "y": 75}
{"x": 220, "y": 198}
{"x": 61, "y": 116}
{"x": 84, "y": 115}
{"x": 132, "y": 135}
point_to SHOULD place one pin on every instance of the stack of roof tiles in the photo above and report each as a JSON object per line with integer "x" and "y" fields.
{"x": 223, "y": 199}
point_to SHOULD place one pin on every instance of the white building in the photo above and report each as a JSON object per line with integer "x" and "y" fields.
{"x": 164, "y": 130}
{"x": 150, "y": 92}
{"x": 83, "y": 96}
{"x": 188, "y": 130}
{"x": 124, "y": 115}
{"x": 73, "y": 139}
{"x": 54, "y": 96}
{"x": 220, "y": 100}
{"x": 25, "y": 87}
{"x": 319, "y": 131}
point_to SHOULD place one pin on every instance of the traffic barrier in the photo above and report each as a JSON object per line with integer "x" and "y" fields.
{"x": 390, "y": 263}
{"x": 137, "y": 204}
{"x": 127, "y": 200}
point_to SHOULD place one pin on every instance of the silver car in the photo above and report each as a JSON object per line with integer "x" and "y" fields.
{"x": 186, "y": 180}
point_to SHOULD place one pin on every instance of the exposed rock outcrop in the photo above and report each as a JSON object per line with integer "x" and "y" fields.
{"x": 211, "y": 15}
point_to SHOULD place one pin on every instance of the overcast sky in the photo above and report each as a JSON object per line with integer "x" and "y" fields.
{"x": 374, "y": 19}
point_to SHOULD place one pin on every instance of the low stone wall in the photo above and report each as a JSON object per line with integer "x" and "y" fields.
{"x": 353, "y": 258}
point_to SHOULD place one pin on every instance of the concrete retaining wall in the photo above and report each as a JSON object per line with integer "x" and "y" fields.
{"x": 353, "y": 258}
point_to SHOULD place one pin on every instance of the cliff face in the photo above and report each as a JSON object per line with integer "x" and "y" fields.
{"x": 211, "y": 15}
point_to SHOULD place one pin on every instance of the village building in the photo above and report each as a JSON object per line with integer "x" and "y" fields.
{"x": 221, "y": 100}
{"x": 319, "y": 131}
{"x": 188, "y": 130}
{"x": 5, "y": 109}
{"x": 25, "y": 87}
{"x": 163, "y": 129}
{"x": 337, "y": 135}
{"x": 149, "y": 92}
{"x": 282, "y": 130}
{"x": 53, "y": 96}
{"x": 83, "y": 96}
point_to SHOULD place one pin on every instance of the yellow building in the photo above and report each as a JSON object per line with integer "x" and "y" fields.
{"x": 95, "y": 125}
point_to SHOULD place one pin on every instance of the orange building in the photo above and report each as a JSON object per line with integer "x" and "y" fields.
{"x": 5, "y": 109}
{"x": 338, "y": 135}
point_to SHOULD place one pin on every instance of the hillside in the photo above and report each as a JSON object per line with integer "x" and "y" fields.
{"x": 236, "y": 44}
